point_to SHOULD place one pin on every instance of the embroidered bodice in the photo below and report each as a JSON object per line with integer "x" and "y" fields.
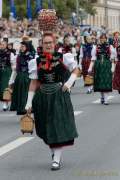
{"x": 5, "y": 58}
{"x": 50, "y": 68}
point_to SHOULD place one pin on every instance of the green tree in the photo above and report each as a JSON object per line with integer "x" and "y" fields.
{"x": 63, "y": 7}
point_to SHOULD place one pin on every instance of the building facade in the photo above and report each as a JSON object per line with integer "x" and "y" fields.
{"x": 108, "y": 14}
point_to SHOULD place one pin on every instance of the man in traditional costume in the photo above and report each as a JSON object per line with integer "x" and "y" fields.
{"x": 51, "y": 104}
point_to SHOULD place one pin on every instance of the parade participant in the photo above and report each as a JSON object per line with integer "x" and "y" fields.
{"x": 52, "y": 107}
{"x": 116, "y": 39}
{"x": 21, "y": 80}
{"x": 103, "y": 56}
{"x": 85, "y": 60}
{"x": 58, "y": 45}
{"x": 5, "y": 71}
{"x": 10, "y": 47}
{"x": 67, "y": 48}
{"x": 29, "y": 42}
{"x": 77, "y": 47}
{"x": 116, "y": 77}
{"x": 39, "y": 48}
{"x": 95, "y": 41}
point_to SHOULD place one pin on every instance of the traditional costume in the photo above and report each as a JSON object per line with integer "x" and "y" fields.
{"x": 52, "y": 107}
{"x": 85, "y": 60}
{"x": 103, "y": 56}
{"x": 5, "y": 72}
{"x": 116, "y": 39}
{"x": 21, "y": 81}
{"x": 116, "y": 76}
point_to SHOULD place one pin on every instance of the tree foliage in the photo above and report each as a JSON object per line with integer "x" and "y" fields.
{"x": 63, "y": 7}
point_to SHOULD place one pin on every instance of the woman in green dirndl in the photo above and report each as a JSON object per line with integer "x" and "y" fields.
{"x": 51, "y": 103}
{"x": 103, "y": 56}
{"x": 5, "y": 71}
{"x": 21, "y": 80}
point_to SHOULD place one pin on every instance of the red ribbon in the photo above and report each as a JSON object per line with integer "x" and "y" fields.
{"x": 49, "y": 57}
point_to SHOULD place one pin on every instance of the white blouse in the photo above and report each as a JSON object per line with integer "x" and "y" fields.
{"x": 113, "y": 53}
{"x": 13, "y": 60}
{"x": 68, "y": 61}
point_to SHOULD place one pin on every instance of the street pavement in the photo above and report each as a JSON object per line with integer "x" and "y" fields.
{"x": 95, "y": 155}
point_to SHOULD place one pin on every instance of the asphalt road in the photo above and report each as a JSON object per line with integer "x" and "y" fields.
{"x": 95, "y": 155}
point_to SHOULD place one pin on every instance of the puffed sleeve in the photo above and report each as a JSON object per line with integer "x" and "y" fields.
{"x": 13, "y": 60}
{"x": 93, "y": 53}
{"x": 81, "y": 53}
{"x": 69, "y": 62}
{"x": 32, "y": 69}
{"x": 113, "y": 53}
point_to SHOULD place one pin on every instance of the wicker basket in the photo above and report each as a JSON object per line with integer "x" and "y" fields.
{"x": 89, "y": 80}
{"x": 27, "y": 124}
{"x": 7, "y": 94}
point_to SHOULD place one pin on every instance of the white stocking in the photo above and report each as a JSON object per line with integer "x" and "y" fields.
{"x": 57, "y": 154}
{"x": 5, "y": 105}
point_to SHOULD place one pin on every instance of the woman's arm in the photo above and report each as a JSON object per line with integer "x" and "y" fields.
{"x": 32, "y": 66}
{"x": 70, "y": 63}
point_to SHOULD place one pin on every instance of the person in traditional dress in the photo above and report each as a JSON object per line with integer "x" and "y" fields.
{"x": 5, "y": 71}
{"x": 21, "y": 80}
{"x": 31, "y": 47}
{"x": 11, "y": 48}
{"x": 116, "y": 76}
{"x": 85, "y": 60}
{"x": 116, "y": 39}
{"x": 77, "y": 48}
{"x": 51, "y": 103}
{"x": 103, "y": 56}
{"x": 39, "y": 48}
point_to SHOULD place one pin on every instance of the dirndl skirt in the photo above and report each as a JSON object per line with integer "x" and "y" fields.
{"x": 20, "y": 93}
{"x": 85, "y": 66}
{"x": 54, "y": 115}
{"x": 116, "y": 78}
{"x": 102, "y": 76}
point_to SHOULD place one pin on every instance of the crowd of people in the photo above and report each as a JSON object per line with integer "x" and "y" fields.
{"x": 17, "y": 28}
{"x": 41, "y": 79}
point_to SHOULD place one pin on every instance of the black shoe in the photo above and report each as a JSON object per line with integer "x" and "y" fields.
{"x": 89, "y": 91}
{"x": 55, "y": 166}
{"x": 52, "y": 156}
{"x": 106, "y": 103}
{"x": 102, "y": 100}
{"x": 6, "y": 109}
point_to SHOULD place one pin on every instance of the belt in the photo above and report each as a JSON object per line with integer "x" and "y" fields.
{"x": 50, "y": 88}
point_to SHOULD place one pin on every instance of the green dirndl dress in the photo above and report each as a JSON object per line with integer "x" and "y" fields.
{"x": 102, "y": 75}
{"x": 54, "y": 115}
{"x": 20, "y": 93}
{"x": 52, "y": 108}
{"x": 5, "y": 74}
